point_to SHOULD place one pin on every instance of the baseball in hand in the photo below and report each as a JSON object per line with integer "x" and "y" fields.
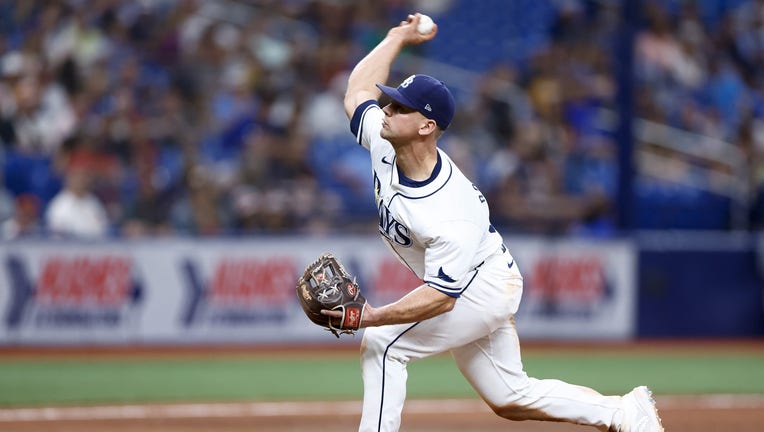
{"x": 425, "y": 25}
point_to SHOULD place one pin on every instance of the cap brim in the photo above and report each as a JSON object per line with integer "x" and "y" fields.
{"x": 397, "y": 96}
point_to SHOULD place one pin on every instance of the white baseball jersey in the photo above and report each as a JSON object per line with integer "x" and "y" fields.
{"x": 438, "y": 227}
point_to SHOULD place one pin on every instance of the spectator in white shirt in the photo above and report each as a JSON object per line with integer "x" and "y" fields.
{"x": 76, "y": 211}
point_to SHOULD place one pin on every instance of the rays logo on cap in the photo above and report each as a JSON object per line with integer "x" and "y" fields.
{"x": 425, "y": 94}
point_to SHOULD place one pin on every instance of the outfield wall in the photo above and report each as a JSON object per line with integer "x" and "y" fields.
{"x": 707, "y": 285}
{"x": 242, "y": 291}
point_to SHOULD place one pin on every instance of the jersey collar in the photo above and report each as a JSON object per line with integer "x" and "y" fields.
{"x": 419, "y": 189}
{"x": 405, "y": 181}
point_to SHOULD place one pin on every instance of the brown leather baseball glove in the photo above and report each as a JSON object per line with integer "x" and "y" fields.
{"x": 326, "y": 284}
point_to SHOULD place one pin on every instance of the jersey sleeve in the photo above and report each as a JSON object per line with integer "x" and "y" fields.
{"x": 448, "y": 259}
{"x": 367, "y": 123}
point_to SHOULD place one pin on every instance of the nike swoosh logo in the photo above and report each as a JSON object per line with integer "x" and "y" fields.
{"x": 384, "y": 160}
{"x": 511, "y": 264}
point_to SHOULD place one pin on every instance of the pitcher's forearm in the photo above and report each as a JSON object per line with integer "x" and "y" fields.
{"x": 375, "y": 67}
{"x": 371, "y": 70}
{"x": 420, "y": 304}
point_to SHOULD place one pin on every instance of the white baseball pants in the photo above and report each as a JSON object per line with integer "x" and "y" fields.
{"x": 480, "y": 334}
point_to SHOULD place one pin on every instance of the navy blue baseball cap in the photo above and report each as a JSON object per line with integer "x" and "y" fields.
{"x": 425, "y": 94}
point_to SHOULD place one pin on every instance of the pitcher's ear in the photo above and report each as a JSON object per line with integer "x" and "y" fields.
{"x": 428, "y": 127}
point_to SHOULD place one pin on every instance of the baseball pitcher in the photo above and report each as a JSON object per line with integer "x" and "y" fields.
{"x": 437, "y": 223}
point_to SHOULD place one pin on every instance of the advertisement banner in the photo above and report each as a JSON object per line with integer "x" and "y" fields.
{"x": 52, "y": 293}
{"x": 575, "y": 289}
{"x": 242, "y": 291}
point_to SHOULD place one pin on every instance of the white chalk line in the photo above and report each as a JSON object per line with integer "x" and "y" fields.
{"x": 329, "y": 409}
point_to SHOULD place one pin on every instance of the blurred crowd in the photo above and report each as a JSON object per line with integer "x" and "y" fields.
{"x": 190, "y": 117}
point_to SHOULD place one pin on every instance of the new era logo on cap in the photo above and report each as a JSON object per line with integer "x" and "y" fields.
{"x": 425, "y": 94}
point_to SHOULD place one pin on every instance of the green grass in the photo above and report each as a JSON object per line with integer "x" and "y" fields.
{"x": 96, "y": 381}
{"x": 674, "y": 374}
{"x": 612, "y": 374}
{"x": 70, "y": 380}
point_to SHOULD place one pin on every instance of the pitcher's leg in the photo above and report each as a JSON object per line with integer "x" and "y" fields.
{"x": 493, "y": 366}
{"x": 384, "y": 380}
{"x": 386, "y": 351}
